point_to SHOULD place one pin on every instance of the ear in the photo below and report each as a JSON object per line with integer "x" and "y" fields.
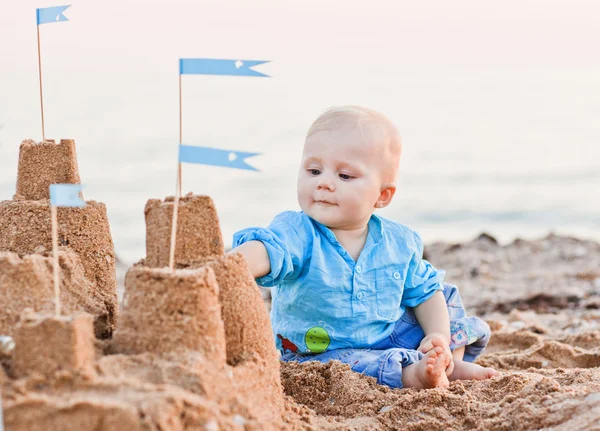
{"x": 388, "y": 190}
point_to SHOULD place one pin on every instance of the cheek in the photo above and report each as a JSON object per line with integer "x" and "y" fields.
{"x": 303, "y": 188}
{"x": 358, "y": 196}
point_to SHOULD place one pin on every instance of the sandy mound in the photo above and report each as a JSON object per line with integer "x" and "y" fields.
{"x": 545, "y": 342}
{"x": 83, "y": 234}
{"x": 193, "y": 348}
{"x": 27, "y": 283}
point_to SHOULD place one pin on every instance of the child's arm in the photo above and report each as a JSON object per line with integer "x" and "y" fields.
{"x": 433, "y": 317}
{"x": 277, "y": 252}
{"x": 423, "y": 292}
{"x": 257, "y": 257}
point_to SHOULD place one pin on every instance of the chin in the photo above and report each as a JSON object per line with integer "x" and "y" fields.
{"x": 315, "y": 215}
{"x": 325, "y": 219}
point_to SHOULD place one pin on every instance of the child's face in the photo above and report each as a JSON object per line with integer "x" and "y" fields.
{"x": 340, "y": 181}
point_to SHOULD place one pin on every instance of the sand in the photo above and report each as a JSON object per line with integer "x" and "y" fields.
{"x": 89, "y": 276}
{"x": 546, "y": 343}
{"x": 548, "y": 356}
{"x": 198, "y": 231}
{"x": 193, "y": 349}
{"x": 27, "y": 283}
{"x": 44, "y": 163}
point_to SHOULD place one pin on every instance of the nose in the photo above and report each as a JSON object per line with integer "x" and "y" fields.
{"x": 325, "y": 183}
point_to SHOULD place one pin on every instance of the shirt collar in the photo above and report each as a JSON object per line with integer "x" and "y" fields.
{"x": 375, "y": 230}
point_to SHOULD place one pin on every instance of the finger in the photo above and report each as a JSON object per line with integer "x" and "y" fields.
{"x": 426, "y": 347}
{"x": 450, "y": 368}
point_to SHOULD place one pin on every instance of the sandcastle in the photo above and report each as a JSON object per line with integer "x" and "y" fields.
{"x": 192, "y": 348}
{"x": 86, "y": 251}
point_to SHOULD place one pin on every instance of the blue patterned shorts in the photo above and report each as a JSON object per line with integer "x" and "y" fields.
{"x": 386, "y": 359}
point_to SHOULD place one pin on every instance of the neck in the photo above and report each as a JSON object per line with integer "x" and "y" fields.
{"x": 353, "y": 239}
{"x": 352, "y": 234}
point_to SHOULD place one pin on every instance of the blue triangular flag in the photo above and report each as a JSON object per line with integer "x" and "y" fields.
{"x": 212, "y": 66}
{"x": 215, "y": 157}
{"x": 51, "y": 14}
{"x": 66, "y": 195}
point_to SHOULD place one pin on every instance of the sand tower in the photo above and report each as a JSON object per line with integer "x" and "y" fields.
{"x": 208, "y": 312}
{"x": 86, "y": 250}
{"x": 192, "y": 349}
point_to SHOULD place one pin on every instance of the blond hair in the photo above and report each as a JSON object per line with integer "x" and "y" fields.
{"x": 372, "y": 126}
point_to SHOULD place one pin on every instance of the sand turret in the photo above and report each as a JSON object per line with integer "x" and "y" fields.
{"x": 198, "y": 231}
{"x": 43, "y": 164}
{"x": 85, "y": 243}
{"x": 210, "y": 305}
{"x": 172, "y": 313}
{"x": 193, "y": 347}
{"x": 46, "y": 344}
{"x": 199, "y": 245}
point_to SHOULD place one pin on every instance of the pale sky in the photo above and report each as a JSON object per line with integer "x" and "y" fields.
{"x": 120, "y": 50}
{"x": 511, "y": 86}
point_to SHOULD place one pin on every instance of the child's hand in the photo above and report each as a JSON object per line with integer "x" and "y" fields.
{"x": 426, "y": 345}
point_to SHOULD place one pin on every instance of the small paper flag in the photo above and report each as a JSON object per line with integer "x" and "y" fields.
{"x": 215, "y": 157}
{"x": 66, "y": 195}
{"x": 51, "y": 14}
{"x": 211, "y": 66}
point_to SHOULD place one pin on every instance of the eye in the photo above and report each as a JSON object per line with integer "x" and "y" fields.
{"x": 314, "y": 172}
{"x": 345, "y": 176}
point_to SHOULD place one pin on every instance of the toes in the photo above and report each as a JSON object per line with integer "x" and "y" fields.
{"x": 438, "y": 341}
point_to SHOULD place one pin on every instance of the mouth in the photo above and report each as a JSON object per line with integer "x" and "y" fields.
{"x": 323, "y": 202}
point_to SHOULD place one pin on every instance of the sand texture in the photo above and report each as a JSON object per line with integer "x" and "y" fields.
{"x": 167, "y": 366}
{"x": 27, "y": 283}
{"x": 541, "y": 299}
{"x": 193, "y": 351}
{"x": 167, "y": 312}
{"x": 241, "y": 302}
{"x": 35, "y": 336}
{"x": 88, "y": 260}
{"x": 198, "y": 231}
{"x": 42, "y": 164}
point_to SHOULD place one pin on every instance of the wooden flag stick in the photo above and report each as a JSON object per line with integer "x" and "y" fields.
{"x": 180, "y": 133}
{"x": 40, "y": 73}
{"x": 177, "y": 191}
{"x": 55, "y": 255}
{"x": 174, "y": 230}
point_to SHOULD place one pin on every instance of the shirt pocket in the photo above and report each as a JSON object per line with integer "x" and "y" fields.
{"x": 389, "y": 283}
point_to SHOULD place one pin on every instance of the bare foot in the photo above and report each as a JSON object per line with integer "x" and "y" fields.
{"x": 430, "y": 371}
{"x": 469, "y": 371}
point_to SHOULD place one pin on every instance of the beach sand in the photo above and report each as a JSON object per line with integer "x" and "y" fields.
{"x": 541, "y": 300}
{"x": 192, "y": 349}
{"x": 545, "y": 342}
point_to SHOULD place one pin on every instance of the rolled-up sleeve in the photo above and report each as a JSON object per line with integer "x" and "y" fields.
{"x": 286, "y": 240}
{"x": 422, "y": 279}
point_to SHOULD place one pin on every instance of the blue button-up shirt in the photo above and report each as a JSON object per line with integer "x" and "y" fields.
{"x": 323, "y": 299}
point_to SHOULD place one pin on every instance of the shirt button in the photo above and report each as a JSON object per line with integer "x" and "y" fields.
{"x": 358, "y": 269}
{"x": 360, "y": 295}
{"x": 396, "y": 275}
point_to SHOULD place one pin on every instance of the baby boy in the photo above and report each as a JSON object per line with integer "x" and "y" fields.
{"x": 349, "y": 285}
